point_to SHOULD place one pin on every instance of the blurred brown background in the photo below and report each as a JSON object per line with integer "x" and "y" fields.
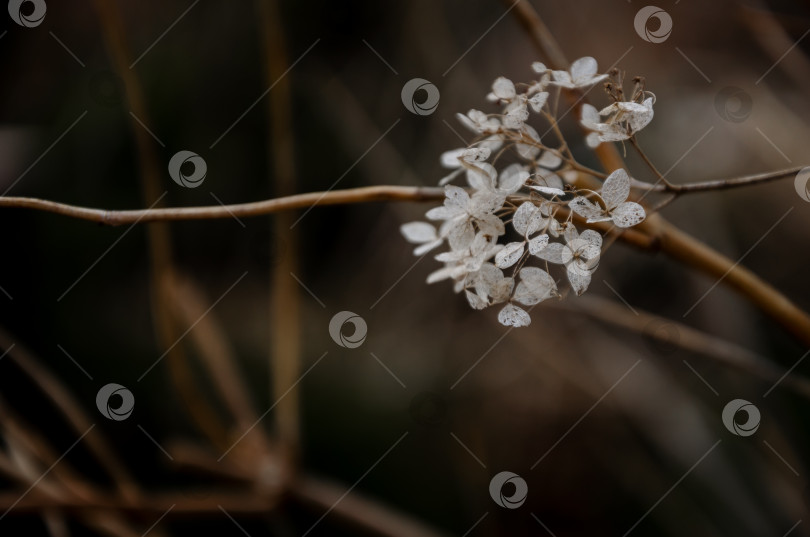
{"x": 476, "y": 400}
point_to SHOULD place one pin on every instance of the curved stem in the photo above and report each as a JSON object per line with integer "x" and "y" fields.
{"x": 723, "y": 184}
{"x": 689, "y": 251}
{"x": 159, "y": 241}
{"x": 255, "y": 208}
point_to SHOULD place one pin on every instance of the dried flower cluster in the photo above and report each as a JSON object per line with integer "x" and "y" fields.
{"x": 533, "y": 192}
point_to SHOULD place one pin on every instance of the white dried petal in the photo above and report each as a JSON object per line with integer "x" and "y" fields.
{"x": 615, "y": 189}
{"x": 628, "y": 214}
{"x": 555, "y": 229}
{"x": 491, "y": 225}
{"x": 520, "y": 220}
{"x": 571, "y": 234}
{"x": 509, "y": 255}
{"x": 441, "y": 274}
{"x": 550, "y": 179}
{"x": 580, "y": 279}
{"x": 425, "y": 248}
{"x": 538, "y": 101}
{"x": 512, "y": 178}
{"x": 539, "y": 67}
{"x": 547, "y": 190}
{"x": 456, "y": 197}
{"x": 450, "y": 159}
{"x": 503, "y": 88}
{"x": 553, "y": 253}
{"x": 418, "y": 232}
{"x": 537, "y": 276}
{"x": 536, "y": 285}
{"x": 441, "y": 213}
{"x": 583, "y": 69}
{"x": 528, "y": 151}
{"x": 562, "y": 78}
{"x": 485, "y": 202}
{"x": 476, "y": 154}
{"x": 489, "y": 275}
{"x": 590, "y": 117}
{"x": 549, "y": 160}
{"x": 501, "y": 291}
{"x": 591, "y": 237}
{"x": 482, "y": 176}
{"x": 476, "y": 302}
{"x": 467, "y": 122}
{"x": 516, "y": 117}
{"x": 493, "y": 143}
{"x": 514, "y": 316}
{"x": 538, "y": 243}
{"x": 461, "y": 235}
{"x": 584, "y": 208}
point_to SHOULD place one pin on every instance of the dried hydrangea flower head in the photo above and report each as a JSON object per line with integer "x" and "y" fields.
{"x": 518, "y": 185}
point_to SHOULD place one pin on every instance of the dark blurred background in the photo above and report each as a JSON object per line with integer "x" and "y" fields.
{"x": 474, "y": 398}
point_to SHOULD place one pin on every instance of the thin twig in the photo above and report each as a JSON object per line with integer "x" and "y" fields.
{"x": 688, "y": 338}
{"x": 334, "y": 197}
{"x": 62, "y": 399}
{"x": 285, "y": 302}
{"x": 726, "y": 184}
{"x": 159, "y": 239}
{"x": 215, "y": 351}
{"x": 255, "y": 208}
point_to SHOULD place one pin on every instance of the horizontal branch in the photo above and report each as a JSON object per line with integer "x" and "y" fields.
{"x": 329, "y": 197}
{"x": 719, "y": 184}
{"x": 256, "y": 208}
